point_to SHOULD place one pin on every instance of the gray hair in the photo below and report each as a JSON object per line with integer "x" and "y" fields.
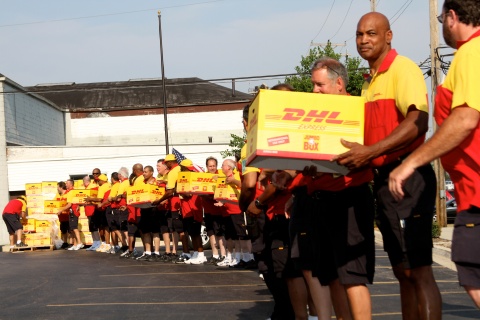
{"x": 334, "y": 68}
{"x": 123, "y": 171}
{"x": 229, "y": 162}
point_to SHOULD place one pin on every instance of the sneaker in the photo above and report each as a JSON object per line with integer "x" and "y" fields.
{"x": 106, "y": 248}
{"x": 224, "y": 262}
{"x": 182, "y": 258}
{"x": 134, "y": 255}
{"x": 69, "y": 246}
{"x": 167, "y": 257}
{"x": 239, "y": 265}
{"x": 154, "y": 257}
{"x": 116, "y": 249}
{"x": 233, "y": 262}
{"x": 198, "y": 260}
{"x": 21, "y": 244}
{"x": 213, "y": 260}
{"x": 123, "y": 249}
{"x": 125, "y": 255}
{"x": 251, "y": 264}
{"x": 94, "y": 246}
{"x": 78, "y": 247}
{"x": 143, "y": 257}
{"x": 193, "y": 256}
{"x": 101, "y": 247}
{"x": 64, "y": 246}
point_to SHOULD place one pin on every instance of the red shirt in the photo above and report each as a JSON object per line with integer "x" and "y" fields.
{"x": 192, "y": 207}
{"x": 14, "y": 207}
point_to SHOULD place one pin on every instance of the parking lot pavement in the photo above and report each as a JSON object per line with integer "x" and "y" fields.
{"x": 78, "y": 284}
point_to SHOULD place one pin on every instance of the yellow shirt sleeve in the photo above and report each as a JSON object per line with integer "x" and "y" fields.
{"x": 139, "y": 181}
{"x": 172, "y": 177}
{"x": 114, "y": 190}
{"x": 102, "y": 189}
{"x": 466, "y": 80}
{"x": 123, "y": 187}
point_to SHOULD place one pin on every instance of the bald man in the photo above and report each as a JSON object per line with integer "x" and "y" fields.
{"x": 396, "y": 119}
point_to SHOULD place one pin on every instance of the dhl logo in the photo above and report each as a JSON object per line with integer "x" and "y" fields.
{"x": 159, "y": 192}
{"x": 81, "y": 195}
{"x": 294, "y": 114}
{"x": 182, "y": 180}
{"x": 199, "y": 179}
{"x": 222, "y": 185}
{"x": 137, "y": 192}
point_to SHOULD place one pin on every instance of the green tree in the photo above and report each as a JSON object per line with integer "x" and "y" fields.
{"x": 301, "y": 82}
{"x": 236, "y": 143}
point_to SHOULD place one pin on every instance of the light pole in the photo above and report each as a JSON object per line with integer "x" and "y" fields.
{"x": 163, "y": 83}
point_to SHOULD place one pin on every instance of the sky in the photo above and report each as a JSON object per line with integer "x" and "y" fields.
{"x": 56, "y": 41}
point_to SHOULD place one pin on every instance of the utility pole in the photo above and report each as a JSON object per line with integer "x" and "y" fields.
{"x": 434, "y": 69}
{"x": 163, "y": 84}
{"x": 373, "y": 5}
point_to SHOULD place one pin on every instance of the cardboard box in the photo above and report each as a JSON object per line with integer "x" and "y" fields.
{"x": 29, "y": 239}
{"x": 196, "y": 182}
{"x": 33, "y": 189}
{"x": 43, "y": 226}
{"x": 42, "y": 239}
{"x": 78, "y": 184}
{"x": 83, "y": 224}
{"x": 143, "y": 196}
{"x": 35, "y": 201}
{"x": 28, "y": 225}
{"x": 31, "y": 211}
{"x": 52, "y": 206}
{"x": 49, "y": 190}
{"x": 86, "y": 237}
{"x": 291, "y": 130}
{"x": 225, "y": 192}
{"x": 79, "y": 195}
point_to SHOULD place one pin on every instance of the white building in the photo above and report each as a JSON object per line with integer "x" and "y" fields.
{"x": 54, "y": 132}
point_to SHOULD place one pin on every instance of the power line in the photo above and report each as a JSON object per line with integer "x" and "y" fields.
{"x": 341, "y": 25}
{"x": 107, "y": 14}
{"x": 325, "y": 21}
{"x": 407, "y": 5}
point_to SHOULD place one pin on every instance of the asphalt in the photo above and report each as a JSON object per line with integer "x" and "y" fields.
{"x": 64, "y": 284}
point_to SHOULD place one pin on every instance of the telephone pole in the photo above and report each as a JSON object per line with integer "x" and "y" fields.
{"x": 164, "y": 91}
{"x": 434, "y": 69}
{"x": 373, "y": 5}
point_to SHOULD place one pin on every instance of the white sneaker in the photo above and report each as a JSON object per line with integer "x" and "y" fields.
{"x": 106, "y": 248}
{"x": 224, "y": 263}
{"x": 115, "y": 249}
{"x": 78, "y": 247}
{"x": 198, "y": 260}
{"x": 72, "y": 248}
{"x": 124, "y": 253}
{"x": 102, "y": 247}
{"x": 192, "y": 257}
{"x": 233, "y": 262}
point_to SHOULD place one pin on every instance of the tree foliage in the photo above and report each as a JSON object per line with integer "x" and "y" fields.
{"x": 301, "y": 82}
{"x": 236, "y": 143}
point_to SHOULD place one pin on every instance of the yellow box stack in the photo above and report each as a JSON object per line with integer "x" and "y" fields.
{"x": 225, "y": 192}
{"x": 196, "y": 182}
{"x": 144, "y": 195}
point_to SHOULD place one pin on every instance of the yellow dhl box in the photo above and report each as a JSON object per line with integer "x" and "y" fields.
{"x": 291, "y": 130}
{"x": 49, "y": 189}
{"x": 226, "y": 192}
{"x": 83, "y": 224}
{"x": 142, "y": 197}
{"x": 35, "y": 201}
{"x": 33, "y": 189}
{"x": 29, "y": 239}
{"x": 28, "y": 225}
{"x": 42, "y": 239}
{"x": 78, "y": 184}
{"x": 52, "y": 206}
{"x": 196, "y": 182}
{"x": 42, "y": 226}
{"x": 79, "y": 195}
{"x": 31, "y": 211}
{"x": 86, "y": 237}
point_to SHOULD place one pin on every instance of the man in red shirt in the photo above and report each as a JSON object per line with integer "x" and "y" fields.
{"x": 13, "y": 211}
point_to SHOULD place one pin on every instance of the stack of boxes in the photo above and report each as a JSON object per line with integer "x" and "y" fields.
{"x": 78, "y": 197}
{"x": 38, "y": 232}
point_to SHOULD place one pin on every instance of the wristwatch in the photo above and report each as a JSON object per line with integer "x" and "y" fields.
{"x": 259, "y": 205}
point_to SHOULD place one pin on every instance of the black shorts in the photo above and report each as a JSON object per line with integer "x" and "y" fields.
{"x": 157, "y": 217}
{"x": 406, "y": 226}
{"x": 64, "y": 227}
{"x": 146, "y": 222}
{"x": 465, "y": 246}
{"x": 238, "y": 221}
{"x": 208, "y": 219}
{"x": 218, "y": 226}
{"x": 133, "y": 230}
{"x": 345, "y": 244}
{"x": 110, "y": 215}
{"x": 101, "y": 218}
{"x": 277, "y": 241}
{"x": 175, "y": 223}
{"x": 302, "y": 241}
{"x": 230, "y": 233}
{"x": 121, "y": 217}
{"x": 191, "y": 226}
{"x": 72, "y": 221}
{"x": 13, "y": 222}
{"x": 92, "y": 223}
{"x": 164, "y": 217}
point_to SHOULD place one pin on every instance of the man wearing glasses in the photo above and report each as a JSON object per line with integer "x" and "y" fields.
{"x": 396, "y": 119}
{"x": 96, "y": 173}
{"x": 457, "y": 107}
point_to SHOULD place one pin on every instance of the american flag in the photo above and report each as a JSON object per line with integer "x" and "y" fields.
{"x": 180, "y": 157}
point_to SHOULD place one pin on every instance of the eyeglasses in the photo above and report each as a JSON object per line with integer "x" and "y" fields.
{"x": 441, "y": 17}
{"x": 95, "y": 172}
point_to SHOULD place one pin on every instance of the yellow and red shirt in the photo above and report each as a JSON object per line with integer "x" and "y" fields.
{"x": 171, "y": 177}
{"x": 460, "y": 88}
{"x": 15, "y": 206}
{"x": 397, "y": 85}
